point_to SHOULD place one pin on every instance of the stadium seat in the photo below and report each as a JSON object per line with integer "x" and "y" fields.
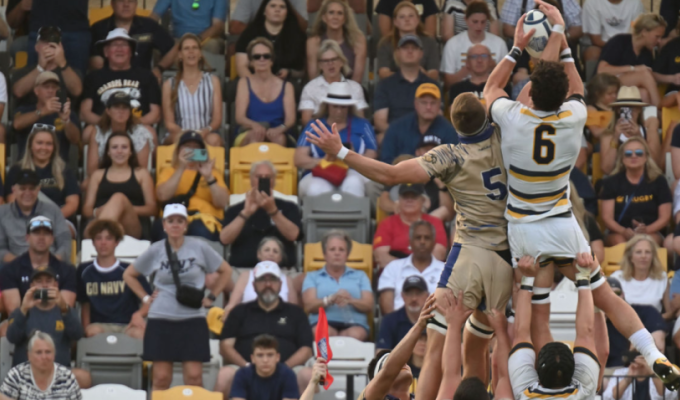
{"x": 337, "y": 211}
{"x": 128, "y": 250}
{"x": 563, "y": 315}
{"x": 20, "y": 59}
{"x": 668, "y": 115}
{"x": 597, "y": 167}
{"x": 210, "y": 369}
{"x": 350, "y": 357}
{"x": 112, "y": 392}
{"x": 112, "y": 358}
{"x": 185, "y": 392}
{"x": 599, "y": 118}
{"x": 74, "y": 252}
{"x": 6, "y": 355}
{"x": 164, "y": 158}
{"x": 360, "y": 258}
{"x": 380, "y": 214}
{"x": 2, "y": 161}
{"x": 613, "y": 256}
{"x": 98, "y": 14}
{"x": 241, "y": 158}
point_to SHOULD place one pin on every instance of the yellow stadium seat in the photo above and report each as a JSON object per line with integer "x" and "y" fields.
{"x": 241, "y": 158}
{"x": 2, "y": 161}
{"x": 360, "y": 258}
{"x": 232, "y": 68}
{"x": 613, "y": 256}
{"x": 599, "y": 118}
{"x": 184, "y": 393}
{"x": 164, "y": 158}
{"x": 668, "y": 115}
{"x": 597, "y": 167}
{"x": 98, "y": 14}
{"x": 20, "y": 59}
{"x": 380, "y": 214}
{"x": 74, "y": 252}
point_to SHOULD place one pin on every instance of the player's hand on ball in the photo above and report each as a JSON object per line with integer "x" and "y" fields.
{"x": 528, "y": 265}
{"x": 522, "y": 38}
{"x": 427, "y": 312}
{"x": 328, "y": 141}
{"x": 550, "y": 11}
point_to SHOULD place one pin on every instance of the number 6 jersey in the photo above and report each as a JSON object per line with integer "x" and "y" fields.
{"x": 539, "y": 151}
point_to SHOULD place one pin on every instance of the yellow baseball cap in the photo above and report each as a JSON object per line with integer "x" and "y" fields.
{"x": 428, "y": 88}
{"x": 215, "y": 320}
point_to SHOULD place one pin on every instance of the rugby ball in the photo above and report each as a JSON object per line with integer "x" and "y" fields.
{"x": 537, "y": 20}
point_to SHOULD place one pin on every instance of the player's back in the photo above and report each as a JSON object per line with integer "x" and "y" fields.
{"x": 571, "y": 392}
{"x": 539, "y": 151}
{"x": 473, "y": 172}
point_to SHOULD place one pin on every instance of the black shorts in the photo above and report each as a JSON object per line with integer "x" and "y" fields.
{"x": 177, "y": 341}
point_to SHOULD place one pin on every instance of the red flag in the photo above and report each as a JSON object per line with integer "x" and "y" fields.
{"x": 323, "y": 348}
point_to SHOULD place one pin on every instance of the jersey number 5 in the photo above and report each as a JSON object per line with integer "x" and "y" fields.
{"x": 497, "y": 189}
{"x": 544, "y": 149}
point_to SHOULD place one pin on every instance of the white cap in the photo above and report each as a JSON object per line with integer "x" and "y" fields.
{"x": 174, "y": 209}
{"x": 117, "y": 33}
{"x": 267, "y": 267}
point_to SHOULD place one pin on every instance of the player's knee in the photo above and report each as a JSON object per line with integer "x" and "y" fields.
{"x": 478, "y": 329}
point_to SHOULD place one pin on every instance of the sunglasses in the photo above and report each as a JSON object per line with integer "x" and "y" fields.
{"x": 266, "y": 56}
{"x": 637, "y": 153}
{"x": 328, "y": 60}
{"x": 43, "y": 127}
{"x": 39, "y": 224}
{"x": 476, "y": 56}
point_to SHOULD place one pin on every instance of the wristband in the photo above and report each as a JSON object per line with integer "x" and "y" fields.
{"x": 242, "y": 216}
{"x": 325, "y": 301}
{"x": 558, "y": 29}
{"x": 567, "y": 60}
{"x": 343, "y": 153}
{"x": 146, "y": 299}
{"x": 528, "y": 281}
{"x": 275, "y": 212}
{"x": 514, "y": 54}
{"x": 566, "y": 52}
{"x": 212, "y": 182}
{"x": 211, "y": 297}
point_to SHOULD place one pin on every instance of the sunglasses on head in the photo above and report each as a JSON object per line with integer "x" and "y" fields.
{"x": 637, "y": 153}
{"x": 265, "y": 56}
{"x": 43, "y": 127}
{"x": 39, "y": 224}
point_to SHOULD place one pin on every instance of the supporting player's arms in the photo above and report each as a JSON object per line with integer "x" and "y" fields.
{"x": 528, "y": 266}
{"x": 502, "y": 389}
{"x": 585, "y": 310}
{"x": 408, "y": 171}
{"x": 456, "y": 314}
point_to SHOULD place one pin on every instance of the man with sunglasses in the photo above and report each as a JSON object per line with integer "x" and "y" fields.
{"x": 48, "y": 113}
{"x": 480, "y": 64}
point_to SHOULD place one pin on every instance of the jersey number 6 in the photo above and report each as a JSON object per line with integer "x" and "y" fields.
{"x": 497, "y": 189}
{"x": 544, "y": 149}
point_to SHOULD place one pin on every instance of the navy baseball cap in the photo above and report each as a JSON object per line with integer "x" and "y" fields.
{"x": 415, "y": 282}
{"x": 28, "y": 177}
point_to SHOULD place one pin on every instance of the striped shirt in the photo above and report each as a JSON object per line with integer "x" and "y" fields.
{"x": 20, "y": 385}
{"x": 194, "y": 111}
{"x": 456, "y": 8}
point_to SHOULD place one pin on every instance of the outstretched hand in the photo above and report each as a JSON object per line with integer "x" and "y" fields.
{"x": 522, "y": 38}
{"x": 455, "y": 312}
{"x": 328, "y": 141}
{"x": 528, "y": 265}
{"x": 427, "y": 312}
{"x": 550, "y": 11}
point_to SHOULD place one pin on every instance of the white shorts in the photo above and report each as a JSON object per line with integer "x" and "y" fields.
{"x": 524, "y": 378}
{"x": 552, "y": 237}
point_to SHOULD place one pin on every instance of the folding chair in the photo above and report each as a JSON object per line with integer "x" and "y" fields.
{"x": 563, "y": 315}
{"x": 360, "y": 258}
{"x": 184, "y": 393}
{"x": 337, "y": 211}
{"x": 350, "y": 357}
{"x": 164, "y": 158}
{"x": 6, "y": 356}
{"x": 112, "y": 392}
{"x": 112, "y": 358}
{"x": 128, "y": 250}
{"x": 210, "y": 369}
{"x": 668, "y": 115}
{"x": 241, "y": 158}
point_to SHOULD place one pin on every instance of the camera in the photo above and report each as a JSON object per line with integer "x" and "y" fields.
{"x": 628, "y": 357}
{"x": 41, "y": 294}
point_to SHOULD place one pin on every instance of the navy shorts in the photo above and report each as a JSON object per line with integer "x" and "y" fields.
{"x": 177, "y": 341}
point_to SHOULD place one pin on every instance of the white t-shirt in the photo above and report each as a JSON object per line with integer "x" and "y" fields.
{"x": 600, "y": 17}
{"x": 676, "y": 200}
{"x": 396, "y": 272}
{"x": 646, "y": 293}
{"x": 455, "y": 51}
{"x": 3, "y": 89}
{"x": 316, "y": 90}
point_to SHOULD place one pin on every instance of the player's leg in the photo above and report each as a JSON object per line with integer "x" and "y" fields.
{"x": 476, "y": 338}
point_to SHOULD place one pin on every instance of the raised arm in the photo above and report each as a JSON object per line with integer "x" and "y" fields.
{"x": 456, "y": 314}
{"x": 523, "y": 306}
{"x": 585, "y": 310}
{"x": 501, "y": 386}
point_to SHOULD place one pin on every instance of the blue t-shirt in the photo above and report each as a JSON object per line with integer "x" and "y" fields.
{"x": 403, "y": 136}
{"x": 362, "y": 136}
{"x": 393, "y": 328}
{"x": 282, "y": 384}
{"x": 186, "y": 19}
{"x": 111, "y": 300}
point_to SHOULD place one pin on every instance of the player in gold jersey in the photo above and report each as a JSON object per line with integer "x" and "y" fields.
{"x": 479, "y": 261}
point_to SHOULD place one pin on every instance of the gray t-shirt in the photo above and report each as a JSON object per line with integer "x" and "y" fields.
{"x": 197, "y": 259}
{"x": 246, "y": 9}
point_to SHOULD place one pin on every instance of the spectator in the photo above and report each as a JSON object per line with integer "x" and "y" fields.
{"x": 333, "y": 67}
{"x": 426, "y": 11}
{"x": 667, "y": 71}
{"x": 453, "y": 21}
{"x": 513, "y": 9}
{"x": 670, "y": 10}
{"x": 645, "y": 285}
{"x": 3, "y": 101}
{"x": 631, "y": 118}
{"x": 17, "y": 15}
{"x": 344, "y": 293}
{"x": 636, "y": 380}
{"x": 50, "y": 58}
{"x": 206, "y": 21}
{"x": 358, "y": 6}
{"x": 119, "y": 117}
{"x": 192, "y": 99}
{"x": 420, "y": 264}
{"x": 406, "y": 23}
{"x": 44, "y": 309}
{"x": 454, "y": 55}
{"x": 198, "y": 184}
{"x": 246, "y": 11}
{"x": 601, "y": 91}
{"x": 394, "y": 95}
{"x": 58, "y": 183}
{"x": 631, "y": 56}
{"x": 324, "y": 172}
{"x": 335, "y": 21}
{"x": 70, "y": 18}
{"x": 265, "y": 103}
{"x": 40, "y": 375}
{"x": 636, "y": 198}
{"x": 120, "y": 76}
{"x": 604, "y": 19}
{"x": 270, "y": 249}
{"x": 107, "y": 305}
{"x": 261, "y": 214}
{"x": 266, "y": 315}
{"x": 405, "y": 135}
{"x": 391, "y": 239}
{"x": 120, "y": 190}
{"x": 287, "y": 51}
{"x": 396, "y": 324}
{"x": 152, "y": 37}
{"x": 15, "y": 216}
{"x": 479, "y": 64}
{"x": 47, "y": 113}
{"x": 177, "y": 330}
{"x": 267, "y": 377}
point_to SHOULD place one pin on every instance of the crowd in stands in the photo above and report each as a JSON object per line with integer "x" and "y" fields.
{"x": 114, "y": 127}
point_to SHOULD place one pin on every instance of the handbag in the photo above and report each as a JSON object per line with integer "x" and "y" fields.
{"x": 629, "y": 200}
{"x": 186, "y": 295}
{"x": 183, "y": 199}
{"x": 334, "y": 172}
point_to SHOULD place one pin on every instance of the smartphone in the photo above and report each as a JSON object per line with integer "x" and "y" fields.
{"x": 626, "y": 113}
{"x": 41, "y": 294}
{"x": 264, "y": 185}
{"x": 62, "y": 98}
{"x": 629, "y": 356}
{"x": 199, "y": 155}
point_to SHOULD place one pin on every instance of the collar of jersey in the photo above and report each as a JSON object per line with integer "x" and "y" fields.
{"x": 480, "y": 137}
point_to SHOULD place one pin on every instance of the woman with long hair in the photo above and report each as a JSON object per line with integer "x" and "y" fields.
{"x": 265, "y": 103}
{"x": 636, "y": 198}
{"x": 273, "y": 22}
{"x": 407, "y": 22}
{"x": 336, "y": 21}
{"x": 601, "y": 90}
{"x": 192, "y": 99}
{"x": 120, "y": 190}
